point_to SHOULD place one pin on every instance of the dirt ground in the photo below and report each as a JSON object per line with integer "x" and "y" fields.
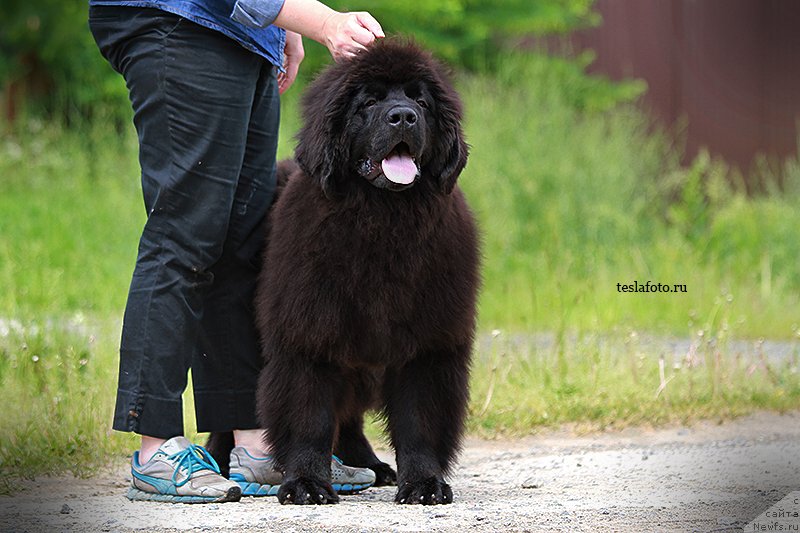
{"x": 707, "y": 477}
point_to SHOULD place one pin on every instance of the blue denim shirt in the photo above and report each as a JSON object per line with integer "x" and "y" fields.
{"x": 248, "y": 22}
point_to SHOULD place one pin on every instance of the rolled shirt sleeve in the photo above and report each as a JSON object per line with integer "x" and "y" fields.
{"x": 256, "y": 13}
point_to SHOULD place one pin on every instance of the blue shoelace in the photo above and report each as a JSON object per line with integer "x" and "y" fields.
{"x": 192, "y": 459}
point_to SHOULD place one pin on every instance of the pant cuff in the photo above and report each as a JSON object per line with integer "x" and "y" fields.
{"x": 225, "y": 410}
{"x": 142, "y": 414}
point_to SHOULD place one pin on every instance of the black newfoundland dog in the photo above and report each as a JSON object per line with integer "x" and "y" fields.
{"x": 367, "y": 297}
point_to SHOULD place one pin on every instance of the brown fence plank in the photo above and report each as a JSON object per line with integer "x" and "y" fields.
{"x": 731, "y": 68}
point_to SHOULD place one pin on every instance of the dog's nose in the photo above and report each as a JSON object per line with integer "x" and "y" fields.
{"x": 401, "y": 116}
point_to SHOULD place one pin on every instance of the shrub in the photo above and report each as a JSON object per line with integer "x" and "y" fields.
{"x": 47, "y": 52}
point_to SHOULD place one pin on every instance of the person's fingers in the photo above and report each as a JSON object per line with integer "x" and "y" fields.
{"x": 359, "y": 33}
{"x": 344, "y": 47}
{"x": 286, "y": 79}
{"x": 293, "y": 56}
{"x": 282, "y": 83}
{"x": 342, "y": 54}
{"x": 350, "y": 33}
{"x": 368, "y": 21}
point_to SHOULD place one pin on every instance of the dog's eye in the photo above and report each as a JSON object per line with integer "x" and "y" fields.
{"x": 422, "y": 103}
{"x": 371, "y": 102}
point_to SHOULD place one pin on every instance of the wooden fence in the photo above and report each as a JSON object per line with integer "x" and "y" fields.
{"x": 730, "y": 68}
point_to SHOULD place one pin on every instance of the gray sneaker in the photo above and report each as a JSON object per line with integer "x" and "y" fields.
{"x": 349, "y": 479}
{"x": 180, "y": 472}
{"x": 258, "y": 476}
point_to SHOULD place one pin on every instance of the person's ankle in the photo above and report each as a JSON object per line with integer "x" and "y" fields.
{"x": 252, "y": 440}
{"x": 150, "y": 446}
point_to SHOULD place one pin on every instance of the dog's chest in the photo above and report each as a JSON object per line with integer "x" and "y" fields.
{"x": 386, "y": 273}
{"x": 385, "y": 267}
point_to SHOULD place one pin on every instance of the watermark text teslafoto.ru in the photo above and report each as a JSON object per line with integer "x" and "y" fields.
{"x": 649, "y": 286}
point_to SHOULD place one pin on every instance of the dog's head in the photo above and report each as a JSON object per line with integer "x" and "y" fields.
{"x": 389, "y": 116}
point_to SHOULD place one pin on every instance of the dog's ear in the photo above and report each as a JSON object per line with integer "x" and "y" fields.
{"x": 451, "y": 151}
{"x": 453, "y": 158}
{"x": 322, "y": 149}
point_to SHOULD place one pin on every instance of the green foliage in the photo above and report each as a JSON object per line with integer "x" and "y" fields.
{"x": 619, "y": 379}
{"x": 77, "y": 205}
{"x": 61, "y": 386}
{"x": 472, "y": 32}
{"x": 46, "y": 47}
{"x": 690, "y": 213}
{"x": 752, "y": 237}
{"x": 574, "y": 198}
{"x": 48, "y": 53}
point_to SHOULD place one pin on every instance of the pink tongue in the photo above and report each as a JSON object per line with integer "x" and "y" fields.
{"x": 399, "y": 169}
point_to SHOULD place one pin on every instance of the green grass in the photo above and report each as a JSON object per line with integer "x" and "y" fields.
{"x": 573, "y": 196}
{"x": 57, "y": 385}
{"x": 615, "y": 380}
{"x": 573, "y": 202}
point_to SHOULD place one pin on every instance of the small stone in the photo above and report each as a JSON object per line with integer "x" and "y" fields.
{"x": 531, "y": 484}
{"x": 66, "y": 509}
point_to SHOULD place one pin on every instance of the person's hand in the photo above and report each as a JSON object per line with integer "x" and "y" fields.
{"x": 293, "y": 55}
{"x": 345, "y": 34}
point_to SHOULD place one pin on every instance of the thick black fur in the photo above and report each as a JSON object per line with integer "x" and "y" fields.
{"x": 367, "y": 296}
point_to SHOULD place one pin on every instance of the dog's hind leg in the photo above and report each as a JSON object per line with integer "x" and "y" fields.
{"x": 426, "y": 405}
{"x": 219, "y": 445}
{"x": 353, "y": 448}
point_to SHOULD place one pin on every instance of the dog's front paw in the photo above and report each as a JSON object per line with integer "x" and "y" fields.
{"x": 430, "y": 491}
{"x": 384, "y": 475}
{"x": 303, "y": 490}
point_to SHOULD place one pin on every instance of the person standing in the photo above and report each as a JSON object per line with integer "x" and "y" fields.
{"x": 204, "y": 78}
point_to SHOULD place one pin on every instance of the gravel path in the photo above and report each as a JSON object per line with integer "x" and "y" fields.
{"x": 707, "y": 477}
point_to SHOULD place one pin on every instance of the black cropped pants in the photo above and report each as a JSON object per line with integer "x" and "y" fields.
{"x": 206, "y": 112}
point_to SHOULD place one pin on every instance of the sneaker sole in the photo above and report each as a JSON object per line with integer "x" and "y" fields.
{"x": 234, "y": 494}
{"x": 349, "y": 488}
{"x": 256, "y": 489}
